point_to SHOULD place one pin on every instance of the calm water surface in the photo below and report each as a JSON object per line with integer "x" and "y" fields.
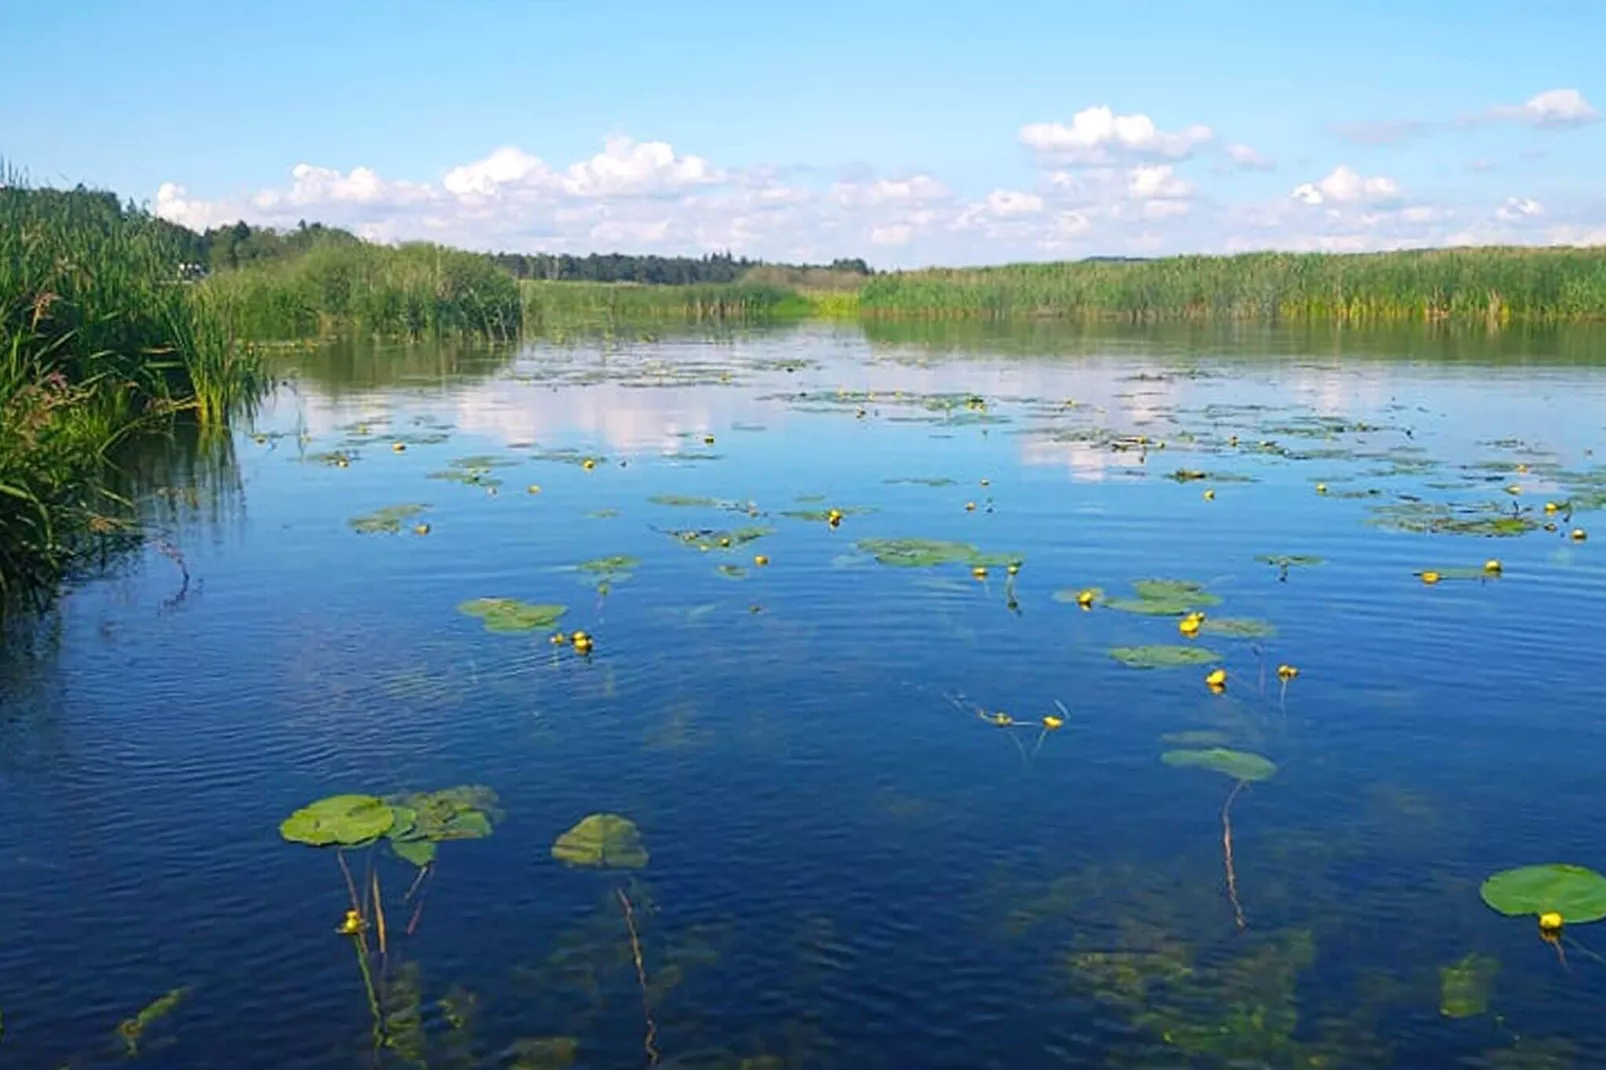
{"x": 848, "y": 866}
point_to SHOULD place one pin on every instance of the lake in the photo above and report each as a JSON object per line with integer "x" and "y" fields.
{"x": 871, "y": 802}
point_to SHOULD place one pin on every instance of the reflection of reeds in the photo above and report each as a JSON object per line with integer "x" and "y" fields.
{"x": 650, "y": 1043}
{"x": 1226, "y": 851}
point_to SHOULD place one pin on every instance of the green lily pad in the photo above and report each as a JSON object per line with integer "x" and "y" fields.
{"x": 602, "y": 840}
{"x": 339, "y": 821}
{"x": 1576, "y": 893}
{"x": 1464, "y": 986}
{"x": 1070, "y": 595}
{"x": 1240, "y": 765}
{"x": 612, "y": 566}
{"x": 386, "y": 521}
{"x": 1161, "y": 656}
{"x": 820, "y": 516}
{"x": 511, "y": 615}
{"x": 419, "y": 852}
{"x": 1187, "y": 591}
{"x": 1287, "y": 561}
{"x": 1238, "y": 627}
{"x": 710, "y": 539}
{"x": 928, "y": 553}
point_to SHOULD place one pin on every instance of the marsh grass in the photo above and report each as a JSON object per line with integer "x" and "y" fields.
{"x": 99, "y": 341}
{"x": 548, "y": 305}
{"x": 353, "y": 289}
{"x": 1493, "y": 285}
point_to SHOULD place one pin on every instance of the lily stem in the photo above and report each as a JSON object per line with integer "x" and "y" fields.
{"x": 1226, "y": 853}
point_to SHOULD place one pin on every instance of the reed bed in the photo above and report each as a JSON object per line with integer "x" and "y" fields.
{"x": 409, "y": 291}
{"x": 568, "y": 304}
{"x": 99, "y": 340}
{"x": 1494, "y": 285}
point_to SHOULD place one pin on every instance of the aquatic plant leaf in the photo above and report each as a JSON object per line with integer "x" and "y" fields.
{"x": 386, "y": 521}
{"x": 928, "y": 553}
{"x": 1071, "y": 595}
{"x": 340, "y": 820}
{"x": 1290, "y": 560}
{"x": 1240, "y": 765}
{"x": 131, "y": 1030}
{"x": 419, "y": 852}
{"x": 1464, "y": 986}
{"x": 1577, "y": 893}
{"x": 822, "y": 515}
{"x": 683, "y": 501}
{"x": 923, "y": 481}
{"x": 461, "y": 813}
{"x": 1238, "y": 627}
{"x": 1149, "y": 607}
{"x": 1161, "y": 656}
{"x": 604, "y": 840}
{"x": 511, "y": 615}
{"x": 1189, "y": 591}
{"x": 616, "y": 563}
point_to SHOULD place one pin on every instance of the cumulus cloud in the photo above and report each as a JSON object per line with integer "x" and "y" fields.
{"x": 1519, "y": 208}
{"x": 1345, "y": 185}
{"x": 1098, "y": 135}
{"x": 1104, "y": 184}
{"x": 1248, "y": 159}
{"x": 1552, "y": 108}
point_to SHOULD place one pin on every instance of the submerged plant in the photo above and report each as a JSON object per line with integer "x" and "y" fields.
{"x": 609, "y": 841}
{"x": 1244, "y": 768}
{"x": 131, "y": 1031}
{"x": 1464, "y": 985}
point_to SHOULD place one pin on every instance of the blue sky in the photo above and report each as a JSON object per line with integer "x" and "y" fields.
{"x": 907, "y": 133}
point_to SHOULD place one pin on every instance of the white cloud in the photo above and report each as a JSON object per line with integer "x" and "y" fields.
{"x": 1552, "y": 108}
{"x": 1097, "y": 135}
{"x": 1519, "y": 208}
{"x": 896, "y": 234}
{"x": 1009, "y": 202}
{"x": 1159, "y": 181}
{"x": 1248, "y": 159}
{"x": 1112, "y": 185}
{"x": 1345, "y": 185}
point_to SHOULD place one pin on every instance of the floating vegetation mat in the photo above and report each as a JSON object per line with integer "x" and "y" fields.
{"x": 386, "y": 521}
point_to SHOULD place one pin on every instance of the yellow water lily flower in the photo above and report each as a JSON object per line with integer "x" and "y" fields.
{"x": 970, "y": 507}
{"x": 533, "y": 488}
{"x": 1085, "y": 599}
{"x": 1217, "y": 678}
{"x": 398, "y": 447}
{"x": 1550, "y": 922}
{"x": 1013, "y": 568}
{"x": 1209, "y": 495}
{"x": 1321, "y": 488}
{"x": 1493, "y": 565}
{"x": 421, "y": 529}
{"x": 980, "y": 572}
{"x": 351, "y": 924}
{"x": 760, "y": 560}
{"x": 1431, "y": 577}
{"x": 588, "y": 464}
{"x": 1287, "y": 672}
{"x": 1053, "y": 723}
{"x": 1579, "y": 535}
{"x": 1189, "y": 625}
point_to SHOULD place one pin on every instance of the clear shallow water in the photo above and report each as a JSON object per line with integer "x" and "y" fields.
{"x": 848, "y": 867}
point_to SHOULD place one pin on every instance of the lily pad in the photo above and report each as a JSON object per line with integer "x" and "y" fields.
{"x": 1240, "y": 765}
{"x": 1163, "y": 657}
{"x": 1073, "y": 595}
{"x": 419, "y": 852}
{"x": 339, "y": 821}
{"x": 1464, "y": 986}
{"x": 928, "y": 553}
{"x": 1287, "y": 561}
{"x": 1238, "y": 627}
{"x": 386, "y": 521}
{"x": 511, "y": 615}
{"x": 1164, "y": 598}
{"x": 602, "y": 840}
{"x": 1577, "y": 893}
